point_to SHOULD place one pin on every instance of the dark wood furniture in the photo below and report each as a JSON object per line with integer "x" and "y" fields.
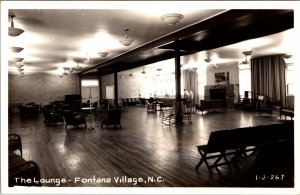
{"x": 74, "y": 119}
{"x": 241, "y": 141}
{"x": 168, "y": 117}
{"x": 51, "y": 118}
{"x": 15, "y": 143}
{"x": 208, "y": 105}
{"x": 20, "y": 168}
{"x": 112, "y": 118}
{"x": 287, "y": 112}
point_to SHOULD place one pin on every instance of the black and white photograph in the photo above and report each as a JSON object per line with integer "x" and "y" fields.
{"x": 149, "y": 97}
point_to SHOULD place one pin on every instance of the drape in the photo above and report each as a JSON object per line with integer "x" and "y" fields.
{"x": 268, "y": 77}
{"x": 190, "y": 82}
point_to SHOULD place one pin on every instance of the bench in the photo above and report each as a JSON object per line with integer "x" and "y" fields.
{"x": 241, "y": 142}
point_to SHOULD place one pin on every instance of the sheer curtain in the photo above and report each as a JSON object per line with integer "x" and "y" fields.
{"x": 268, "y": 77}
{"x": 190, "y": 82}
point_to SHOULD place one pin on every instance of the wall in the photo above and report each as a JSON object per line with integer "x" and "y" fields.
{"x": 106, "y": 80}
{"x": 231, "y": 67}
{"x": 129, "y": 86}
{"x": 39, "y": 88}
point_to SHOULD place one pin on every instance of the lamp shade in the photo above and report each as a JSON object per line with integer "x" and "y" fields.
{"x": 16, "y": 59}
{"x": 126, "y": 40}
{"x": 16, "y": 49}
{"x": 172, "y": 18}
{"x": 14, "y": 32}
{"x": 19, "y": 65}
{"x": 103, "y": 54}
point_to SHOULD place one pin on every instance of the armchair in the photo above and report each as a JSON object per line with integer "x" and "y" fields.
{"x": 14, "y": 143}
{"x": 112, "y": 117}
{"x": 51, "y": 118}
{"x": 74, "y": 119}
{"x": 20, "y": 168}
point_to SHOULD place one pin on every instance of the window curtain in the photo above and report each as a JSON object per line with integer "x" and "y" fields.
{"x": 268, "y": 77}
{"x": 190, "y": 82}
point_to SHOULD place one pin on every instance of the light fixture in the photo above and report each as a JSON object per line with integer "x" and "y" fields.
{"x": 143, "y": 72}
{"x": 16, "y": 49}
{"x": 19, "y": 65}
{"x": 78, "y": 67}
{"x": 12, "y": 31}
{"x": 87, "y": 61}
{"x": 16, "y": 59}
{"x": 126, "y": 40}
{"x": 20, "y": 69}
{"x": 245, "y": 64}
{"x": 70, "y": 71}
{"x": 172, "y": 19}
{"x": 158, "y": 69}
{"x": 288, "y": 59}
{"x": 130, "y": 74}
{"x": 247, "y": 53}
{"x": 207, "y": 59}
{"x": 103, "y": 54}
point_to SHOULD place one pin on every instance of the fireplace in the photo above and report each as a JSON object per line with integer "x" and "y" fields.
{"x": 227, "y": 93}
{"x": 219, "y": 94}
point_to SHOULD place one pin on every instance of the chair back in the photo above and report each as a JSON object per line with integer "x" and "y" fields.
{"x": 218, "y": 141}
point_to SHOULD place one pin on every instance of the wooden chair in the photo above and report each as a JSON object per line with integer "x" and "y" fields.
{"x": 216, "y": 148}
{"x": 74, "y": 119}
{"x": 112, "y": 118}
{"x": 52, "y": 118}
{"x": 168, "y": 117}
{"x": 20, "y": 168}
{"x": 15, "y": 143}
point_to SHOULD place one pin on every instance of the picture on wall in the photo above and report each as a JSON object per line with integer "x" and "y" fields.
{"x": 222, "y": 77}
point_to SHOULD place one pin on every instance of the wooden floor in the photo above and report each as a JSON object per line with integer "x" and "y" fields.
{"x": 142, "y": 148}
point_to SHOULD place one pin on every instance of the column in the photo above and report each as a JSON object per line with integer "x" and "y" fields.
{"x": 116, "y": 88}
{"x": 178, "y": 118}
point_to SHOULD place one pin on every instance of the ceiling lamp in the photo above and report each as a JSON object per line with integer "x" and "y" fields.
{"x": 19, "y": 65}
{"x": 208, "y": 59}
{"x": 70, "y": 71}
{"x": 130, "y": 74}
{"x": 126, "y": 41}
{"x": 143, "y": 72}
{"x": 171, "y": 19}
{"x": 103, "y": 54}
{"x": 12, "y": 31}
{"x": 288, "y": 58}
{"x": 247, "y": 53}
{"x": 245, "y": 64}
{"x": 158, "y": 69}
{"x": 20, "y": 69}
{"x": 78, "y": 67}
{"x": 16, "y": 49}
{"x": 17, "y": 59}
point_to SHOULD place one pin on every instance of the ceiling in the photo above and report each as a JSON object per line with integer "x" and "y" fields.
{"x": 64, "y": 38}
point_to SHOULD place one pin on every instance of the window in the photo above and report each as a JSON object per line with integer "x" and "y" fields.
{"x": 90, "y": 90}
{"x": 244, "y": 81}
{"x": 290, "y": 79}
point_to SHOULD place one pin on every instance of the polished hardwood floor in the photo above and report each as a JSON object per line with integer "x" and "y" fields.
{"x": 142, "y": 148}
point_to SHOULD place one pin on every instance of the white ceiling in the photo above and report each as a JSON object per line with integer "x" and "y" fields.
{"x": 56, "y": 38}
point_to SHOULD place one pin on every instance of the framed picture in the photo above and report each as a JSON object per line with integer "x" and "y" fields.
{"x": 222, "y": 77}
